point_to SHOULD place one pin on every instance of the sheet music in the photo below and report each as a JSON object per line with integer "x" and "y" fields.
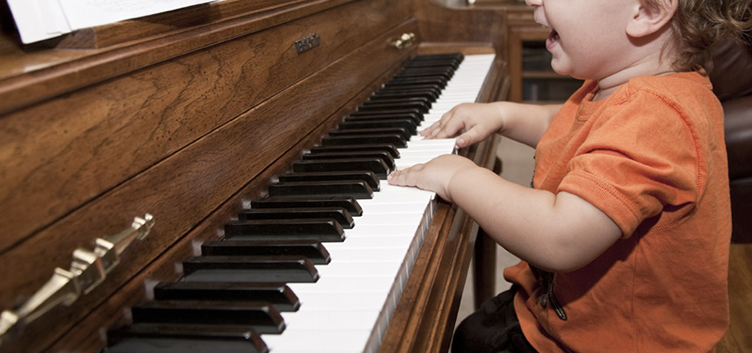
{"x": 43, "y": 19}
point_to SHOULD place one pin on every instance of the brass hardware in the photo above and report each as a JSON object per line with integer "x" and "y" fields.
{"x": 88, "y": 269}
{"x": 406, "y": 40}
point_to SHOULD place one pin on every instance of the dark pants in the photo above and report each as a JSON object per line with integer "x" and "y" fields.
{"x": 492, "y": 329}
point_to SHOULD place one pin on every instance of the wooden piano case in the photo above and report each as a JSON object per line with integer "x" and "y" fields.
{"x": 187, "y": 116}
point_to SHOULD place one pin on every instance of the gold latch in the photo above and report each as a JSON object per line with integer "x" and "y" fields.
{"x": 406, "y": 40}
{"x": 88, "y": 269}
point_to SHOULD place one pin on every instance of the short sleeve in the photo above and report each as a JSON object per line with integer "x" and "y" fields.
{"x": 640, "y": 159}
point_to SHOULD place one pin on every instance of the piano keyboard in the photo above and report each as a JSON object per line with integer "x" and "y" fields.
{"x": 305, "y": 270}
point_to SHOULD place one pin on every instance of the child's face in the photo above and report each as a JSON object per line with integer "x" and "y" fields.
{"x": 588, "y": 37}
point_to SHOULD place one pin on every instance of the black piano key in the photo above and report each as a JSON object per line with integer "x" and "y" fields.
{"x": 373, "y": 116}
{"x": 259, "y": 316}
{"x": 310, "y": 249}
{"x": 409, "y": 125}
{"x": 443, "y": 57}
{"x": 347, "y": 202}
{"x": 399, "y": 101}
{"x": 373, "y": 164}
{"x": 434, "y": 64}
{"x": 265, "y": 269}
{"x": 431, "y": 71}
{"x": 337, "y": 213}
{"x": 435, "y": 72}
{"x": 447, "y": 56}
{"x": 406, "y": 82}
{"x": 428, "y": 68}
{"x": 166, "y": 338}
{"x": 421, "y": 62}
{"x": 387, "y": 95}
{"x": 452, "y": 63}
{"x": 379, "y": 106}
{"x": 355, "y": 188}
{"x": 384, "y": 156}
{"x": 410, "y": 91}
{"x": 392, "y": 139}
{"x": 404, "y": 87}
{"x": 390, "y": 93}
{"x": 278, "y": 294}
{"x": 391, "y": 149}
{"x": 430, "y": 64}
{"x": 292, "y": 229}
{"x": 395, "y": 112}
{"x": 365, "y": 175}
{"x": 425, "y": 80}
{"x": 404, "y": 133}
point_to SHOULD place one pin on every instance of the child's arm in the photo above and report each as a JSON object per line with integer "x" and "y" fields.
{"x": 559, "y": 233}
{"x": 521, "y": 122}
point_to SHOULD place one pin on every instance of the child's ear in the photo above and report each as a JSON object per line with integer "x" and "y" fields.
{"x": 649, "y": 19}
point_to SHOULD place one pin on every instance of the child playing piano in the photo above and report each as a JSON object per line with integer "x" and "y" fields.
{"x": 625, "y": 234}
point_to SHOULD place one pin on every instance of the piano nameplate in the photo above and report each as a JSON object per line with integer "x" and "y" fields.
{"x": 307, "y": 43}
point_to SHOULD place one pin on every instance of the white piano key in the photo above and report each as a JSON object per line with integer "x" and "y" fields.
{"x": 318, "y": 341}
{"x": 407, "y": 206}
{"x": 335, "y": 318}
{"x": 370, "y": 242}
{"x": 397, "y": 219}
{"x": 391, "y": 194}
{"x": 376, "y": 230}
{"x": 341, "y": 301}
{"x": 334, "y": 286}
{"x": 361, "y": 269}
{"x": 362, "y": 254}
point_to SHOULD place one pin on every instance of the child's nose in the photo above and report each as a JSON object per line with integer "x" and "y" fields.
{"x": 534, "y": 2}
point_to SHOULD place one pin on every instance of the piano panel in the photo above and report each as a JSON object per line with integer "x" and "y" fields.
{"x": 159, "y": 110}
{"x": 188, "y": 126}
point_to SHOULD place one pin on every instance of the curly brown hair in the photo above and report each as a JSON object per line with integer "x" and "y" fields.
{"x": 698, "y": 24}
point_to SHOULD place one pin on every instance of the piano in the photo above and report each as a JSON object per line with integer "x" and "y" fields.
{"x": 193, "y": 181}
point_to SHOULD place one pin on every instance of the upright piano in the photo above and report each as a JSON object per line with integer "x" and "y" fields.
{"x": 131, "y": 153}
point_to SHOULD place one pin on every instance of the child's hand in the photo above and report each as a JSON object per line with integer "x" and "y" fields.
{"x": 477, "y": 120}
{"x": 434, "y": 175}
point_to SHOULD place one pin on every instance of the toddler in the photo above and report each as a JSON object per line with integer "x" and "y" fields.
{"x": 625, "y": 234}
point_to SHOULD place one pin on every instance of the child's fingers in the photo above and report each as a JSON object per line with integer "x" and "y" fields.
{"x": 469, "y": 137}
{"x": 404, "y": 177}
{"x": 446, "y": 127}
{"x": 430, "y": 131}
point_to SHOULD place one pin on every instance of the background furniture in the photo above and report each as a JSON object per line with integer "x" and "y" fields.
{"x": 732, "y": 83}
{"x": 531, "y": 77}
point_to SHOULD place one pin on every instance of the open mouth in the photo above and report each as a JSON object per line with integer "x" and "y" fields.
{"x": 553, "y": 39}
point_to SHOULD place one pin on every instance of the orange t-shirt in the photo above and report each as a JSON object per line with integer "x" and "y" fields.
{"x": 652, "y": 157}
